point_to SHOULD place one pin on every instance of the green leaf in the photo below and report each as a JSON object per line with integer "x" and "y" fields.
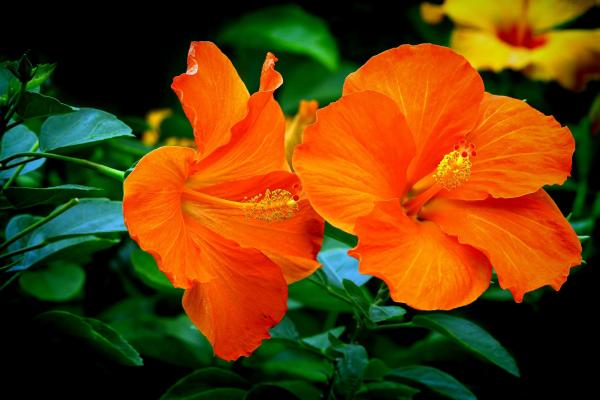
{"x": 386, "y": 390}
{"x": 434, "y": 379}
{"x": 90, "y": 216}
{"x": 174, "y": 340}
{"x": 19, "y": 139}
{"x": 295, "y": 363}
{"x": 350, "y": 369}
{"x": 204, "y": 381}
{"x": 73, "y": 249}
{"x": 9, "y": 84}
{"x": 321, "y": 341}
{"x": 471, "y": 336}
{"x": 311, "y": 81}
{"x": 220, "y": 393}
{"x": 385, "y": 313}
{"x": 41, "y": 75}
{"x": 93, "y": 333}
{"x": 339, "y": 235}
{"x": 76, "y": 227}
{"x": 147, "y": 270}
{"x": 338, "y": 265}
{"x": 285, "y": 330}
{"x": 358, "y": 296}
{"x": 311, "y": 295}
{"x": 57, "y": 282}
{"x": 584, "y": 150}
{"x": 85, "y": 126}
{"x": 37, "y": 105}
{"x": 376, "y": 370}
{"x": 301, "y": 389}
{"x": 23, "y": 197}
{"x": 267, "y": 391}
{"x": 284, "y": 28}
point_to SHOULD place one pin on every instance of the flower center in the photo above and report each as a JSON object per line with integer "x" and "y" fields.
{"x": 455, "y": 167}
{"x": 519, "y": 35}
{"x": 451, "y": 172}
{"x": 274, "y": 205}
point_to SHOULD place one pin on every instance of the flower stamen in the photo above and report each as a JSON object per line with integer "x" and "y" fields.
{"x": 455, "y": 167}
{"x": 274, "y": 205}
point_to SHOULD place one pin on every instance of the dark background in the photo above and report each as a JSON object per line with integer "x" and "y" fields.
{"x": 124, "y": 61}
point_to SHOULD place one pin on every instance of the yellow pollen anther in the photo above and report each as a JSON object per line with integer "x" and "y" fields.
{"x": 453, "y": 170}
{"x": 274, "y": 205}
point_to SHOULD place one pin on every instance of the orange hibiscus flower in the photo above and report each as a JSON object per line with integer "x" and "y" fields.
{"x": 440, "y": 181}
{"x": 520, "y": 35}
{"x": 228, "y": 222}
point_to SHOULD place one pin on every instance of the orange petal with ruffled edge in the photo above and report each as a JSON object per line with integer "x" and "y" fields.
{"x": 571, "y": 57}
{"x": 154, "y": 217}
{"x": 257, "y": 142}
{"x": 355, "y": 154}
{"x": 519, "y": 150}
{"x": 213, "y": 96}
{"x": 527, "y": 239}
{"x": 247, "y": 297}
{"x": 283, "y": 226}
{"x": 436, "y": 90}
{"x": 422, "y": 266}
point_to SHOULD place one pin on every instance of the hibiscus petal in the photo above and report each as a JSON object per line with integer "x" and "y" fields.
{"x": 519, "y": 150}
{"x": 571, "y": 57}
{"x": 212, "y": 94}
{"x": 154, "y": 218}
{"x": 293, "y": 243}
{"x": 487, "y": 15}
{"x": 527, "y": 239}
{"x": 485, "y": 51}
{"x": 257, "y": 143}
{"x": 544, "y": 14}
{"x": 247, "y": 297}
{"x": 355, "y": 154}
{"x": 422, "y": 266}
{"x": 437, "y": 91}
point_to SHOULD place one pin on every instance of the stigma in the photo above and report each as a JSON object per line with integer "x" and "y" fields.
{"x": 455, "y": 167}
{"x": 274, "y": 205}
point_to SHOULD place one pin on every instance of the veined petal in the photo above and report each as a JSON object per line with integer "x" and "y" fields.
{"x": 213, "y": 96}
{"x": 519, "y": 150}
{"x": 436, "y": 90}
{"x": 257, "y": 142}
{"x": 355, "y": 154}
{"x": 571, "y": 57}
{"x": 485, "y": 51}
{"x": 422, "y": 266}
{"x": 247, "y": 297}
{"x": 527, "y": 239}
{"x": 154, "y": 218}
{"x": 268, "y": 213}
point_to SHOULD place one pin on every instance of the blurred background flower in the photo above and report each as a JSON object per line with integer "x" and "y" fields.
{"x": 523, "y": 35}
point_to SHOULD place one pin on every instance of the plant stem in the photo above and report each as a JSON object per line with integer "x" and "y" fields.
{"x": 330, "y": 290}
{"x": 394, "y": 326}
{"x": 9, "y": 281}
{"x": 39, "y": 223}
{"x": 21, "y": 251}
{"x": 17, "y": 172}
{"x": 14, "y": 103}
{"x": 103, "y": 169}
